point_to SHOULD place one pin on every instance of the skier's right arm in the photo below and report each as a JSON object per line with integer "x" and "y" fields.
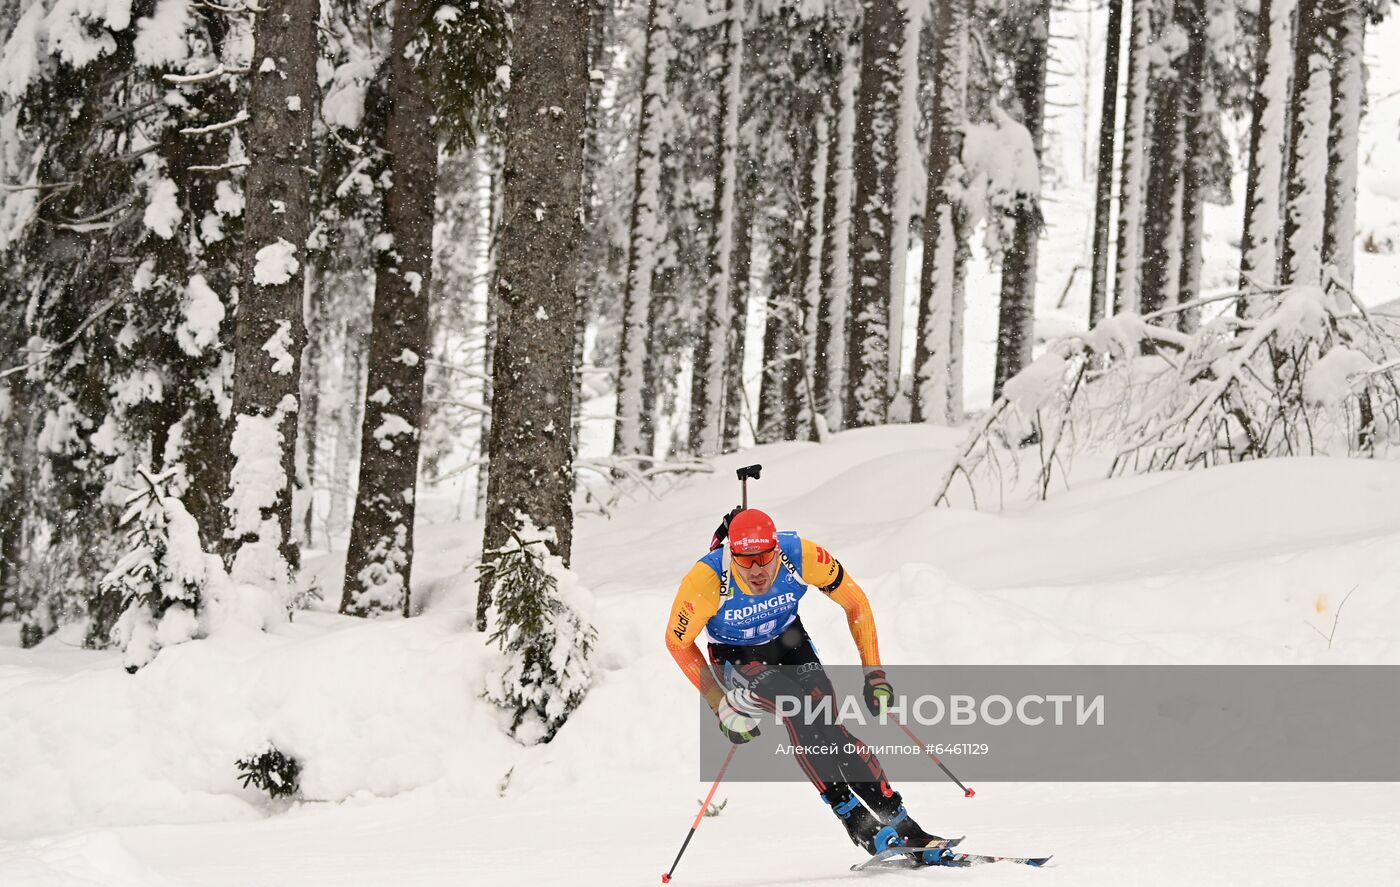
{"x": 696, "y": 601}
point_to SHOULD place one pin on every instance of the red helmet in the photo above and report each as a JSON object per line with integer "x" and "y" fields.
{"x": 751, "y": 531}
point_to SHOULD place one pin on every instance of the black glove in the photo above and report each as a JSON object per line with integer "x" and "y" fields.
{"x": 722, "y": 531}
{"x": 878, "y": 692}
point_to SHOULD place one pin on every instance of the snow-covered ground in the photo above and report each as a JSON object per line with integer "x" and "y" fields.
{"x": 116, "y": 779}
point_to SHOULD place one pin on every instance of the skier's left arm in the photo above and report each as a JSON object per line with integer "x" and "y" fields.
{"x": 819, "y": 568}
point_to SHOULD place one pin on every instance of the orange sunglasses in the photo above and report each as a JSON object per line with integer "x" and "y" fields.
{"x": 762, "y": 559}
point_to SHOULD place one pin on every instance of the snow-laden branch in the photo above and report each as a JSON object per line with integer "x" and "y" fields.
{"x": 46, "y": 353}
{"x": 618, "y": 477}
{"x": 238, "y": 120}
{"x": 216, "y": 73}
{"x": 219, "y": 167}
{"x": 1291, "y": 377}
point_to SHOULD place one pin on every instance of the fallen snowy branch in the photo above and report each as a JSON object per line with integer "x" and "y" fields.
{"x": 1293, "y": 377}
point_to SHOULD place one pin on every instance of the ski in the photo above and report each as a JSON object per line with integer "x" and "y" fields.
{"x": 902, "y": 853}
{"x": 900, "y": 858}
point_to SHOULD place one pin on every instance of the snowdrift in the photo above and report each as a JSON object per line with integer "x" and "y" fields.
{"x": 1240, "y": 564}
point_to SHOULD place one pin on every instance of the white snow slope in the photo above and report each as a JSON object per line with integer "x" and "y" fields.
{"x": 115, "y": 779}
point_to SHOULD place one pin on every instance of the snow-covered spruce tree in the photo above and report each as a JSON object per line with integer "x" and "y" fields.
{"x": 1198, "y": 115}
{"x": 283, "y": 100}
{"x": 795, "y": 58}
{"x": 532, "y": 374}
{"x": 718, "y": 354}
{"x": 1268, "y": 146}
{"x": 1131, "y": 177}
{"x": 677, "y": 317}
{"x": 492, "y": 172}
{"x": 610, "y": 143}
{"x": 438, "y": 71}
{"x": 1016, "y": 326}
{"x": 539, "y": 618}
{"x": 736, "y": 406}
{"x": 1161, "y": 230}
{"x": 346, "y": 208}
{"x": 1305, "y": 188}
{"x": 876, "y": 160}
{"x": 938, "y": 348}
{"x": 341, "y": 263}
{"x": 1103, "y": 181}
{"x": 119, "y": 246}
{"x": 162, "y": 578}
{"x": 825, "y": 47}
{"x": 379, "y": 558}
{"x": 1348, "y": 35}
{"x": 17, "y": 432}
{"x": 633, "y": 431}
{"x": 454, "y": 402}
{"x": 600, "y": 18}
{"x": 829, "y": 372}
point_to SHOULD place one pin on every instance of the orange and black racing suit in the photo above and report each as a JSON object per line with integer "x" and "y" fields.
{"x": 751, "y": 635}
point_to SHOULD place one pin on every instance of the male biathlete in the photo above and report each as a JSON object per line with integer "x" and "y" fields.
{"x": 745, "y": 593}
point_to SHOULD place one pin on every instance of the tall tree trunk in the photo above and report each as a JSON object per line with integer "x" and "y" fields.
{"x": 938, "y": 352}
{"x": 599, "y": 14}
{"x": 735, "y": 396}
{"x": 11, "y": 545}
{"x": 656, "y": 385}
{"x": 1348, "y": 53}
{"x": 907, "y": 169}
{"x": 270, "y": 326}
{"x": 1161, "y": 244}
{"x": 489, "y": 167}
{"x": 782, "y": 340}
{"x": 780, "y": 384}
{"x": 531, "y": 457}
{"x": 634, "y": 428}
{"x": 832, "y": 333}
{"x": 1268, "y": 147}
{"x": 1103, "y": 183}
{"x": 815, "y": 203}
{"x": 346, "y": 417}
{"x": 1306, "y": 188}
{"x": 312, "y": 356}
{"x": 1131, "y": 189}
{"x": 876, "y": 158}
{"x": 1016, "y": 326}
{"x": 712, "y": 369}
{"x": 379, "y": 561}
{"x": 1197, "y": 114}
{"x": 17, "y": 422}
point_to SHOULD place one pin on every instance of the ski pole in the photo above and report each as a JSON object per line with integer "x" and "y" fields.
{"x": 666, "y": 878}
{"x": 748, "y": 471}
{"x": 967, "y": 792}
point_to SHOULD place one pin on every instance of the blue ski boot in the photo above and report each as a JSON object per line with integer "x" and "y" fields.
{"x": 865, "y": 831}
{"x": 908, "y": 833}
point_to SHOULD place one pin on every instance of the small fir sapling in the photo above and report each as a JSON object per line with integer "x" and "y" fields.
{"x": 537, "y": 620}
